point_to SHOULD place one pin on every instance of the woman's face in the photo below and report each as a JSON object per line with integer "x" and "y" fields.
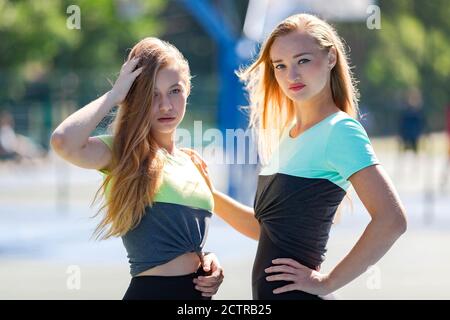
{"x": 169, "y": 100}
{"x": 301, "y": 67}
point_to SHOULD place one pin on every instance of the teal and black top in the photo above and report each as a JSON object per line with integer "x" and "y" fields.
{"x": 300, "y": 189}
{"x": 178, "y": 220}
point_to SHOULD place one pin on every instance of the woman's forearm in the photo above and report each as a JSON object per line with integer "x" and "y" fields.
{"x": 377, "y": 239}
{"x": 240, "y": 217}
{"x": 73, "y": 133}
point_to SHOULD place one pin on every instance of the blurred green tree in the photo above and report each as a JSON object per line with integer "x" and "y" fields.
{"x": 409, "y": 51}
{"x": 36, "y": 42}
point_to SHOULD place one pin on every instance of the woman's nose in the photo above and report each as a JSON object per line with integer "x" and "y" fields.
{"x": 165, "y": 105}
{"x": 293, "y": 75}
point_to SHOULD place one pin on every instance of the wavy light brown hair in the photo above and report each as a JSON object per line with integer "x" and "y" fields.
{"x": 135, "y": 170}
{"x": 271, "y": 111}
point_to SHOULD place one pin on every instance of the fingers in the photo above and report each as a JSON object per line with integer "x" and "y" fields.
{"x": 216, "y": 269}
{"x": 208, "y": 281}
{"x": 138, "y": 71}
{"x": 192, "y": 153}
{"x": 213, "y": 280}
{"x": 206, "y": 263}
{"x": 286, "y": 288}
{"x": 129, "y": 65}
{"x": 282, "y": 277}
{"x": 289, "y": 262}
{"x": 196, "y": 158}
{"x": 189, "y": 151}
{"x": 200, "y": 163}
{"x": 215, "y": 276}
{"x": 133, "y": 61}
{"x": 211, "y": 262}
{"x": 208, "y": 290}
{"x": 280, "y": 268}
{"x": 208, "y": 293}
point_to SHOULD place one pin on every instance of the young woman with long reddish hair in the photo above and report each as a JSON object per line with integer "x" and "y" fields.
{"x": 155, "y": 198}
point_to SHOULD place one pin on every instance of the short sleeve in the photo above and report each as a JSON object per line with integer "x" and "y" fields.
{"x": 349, "y": 149}
{"x": 108, "y": 140}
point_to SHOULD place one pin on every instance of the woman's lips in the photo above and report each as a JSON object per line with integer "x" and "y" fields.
{"x": 166, "y": 119}
{"x": 296, "y": 87}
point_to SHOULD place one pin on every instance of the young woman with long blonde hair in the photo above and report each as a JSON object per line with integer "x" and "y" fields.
{"x": 156, "y": 200}
{"x": 301, "y": 87}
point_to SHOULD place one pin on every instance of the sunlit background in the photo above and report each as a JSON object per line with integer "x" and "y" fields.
{"x": 56, "y": 56}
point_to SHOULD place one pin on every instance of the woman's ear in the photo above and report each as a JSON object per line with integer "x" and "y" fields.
{"x": 332, "y": 57}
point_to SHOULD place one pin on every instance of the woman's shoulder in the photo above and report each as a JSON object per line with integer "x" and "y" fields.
{"x": 343, "y": 125}
{"x": 342, "y": 119}
{"x": 349, "y": 148}
{"x": 347, "y": 136}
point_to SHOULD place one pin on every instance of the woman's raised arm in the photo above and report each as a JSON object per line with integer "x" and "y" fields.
{"x": 71, "y": 140}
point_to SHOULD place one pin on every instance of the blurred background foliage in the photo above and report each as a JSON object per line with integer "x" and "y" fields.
{"x": 48, "y": 70}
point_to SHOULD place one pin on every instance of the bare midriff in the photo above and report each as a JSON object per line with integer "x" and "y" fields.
{"x": 185, "y": 264}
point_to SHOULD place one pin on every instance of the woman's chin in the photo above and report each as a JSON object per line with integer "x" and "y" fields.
{"x": 301, "y": 97}
{"x": 298, "y": 98}
{"x": 165, "y": 128}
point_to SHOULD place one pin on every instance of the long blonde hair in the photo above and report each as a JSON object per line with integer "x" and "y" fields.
{"x": 271, "y": 111}
{"x": 136, "y": 165}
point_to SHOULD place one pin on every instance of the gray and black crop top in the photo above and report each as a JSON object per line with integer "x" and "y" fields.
{"x": 178, "y": 220}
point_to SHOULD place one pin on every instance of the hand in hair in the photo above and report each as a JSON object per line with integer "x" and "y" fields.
{"x": 125, "y": 80}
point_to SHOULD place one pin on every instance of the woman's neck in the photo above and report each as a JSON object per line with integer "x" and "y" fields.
{"x": 166, "y": 141}
{"x": 309, "y": 112}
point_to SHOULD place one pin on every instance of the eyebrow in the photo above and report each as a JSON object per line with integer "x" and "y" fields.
{"x": 179, "y": 83}
{"x": 293, "y": 57}
{"x": 176, "y": 84}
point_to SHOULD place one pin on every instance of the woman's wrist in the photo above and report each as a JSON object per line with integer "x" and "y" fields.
{"x": 112, "y": 98}
{"x": 328, "y": 284}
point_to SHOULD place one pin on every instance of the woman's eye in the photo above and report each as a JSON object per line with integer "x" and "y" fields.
{"x": 175, "y": 91}
{"x": 279, "y": 66}
{"x": 302, "y": 61}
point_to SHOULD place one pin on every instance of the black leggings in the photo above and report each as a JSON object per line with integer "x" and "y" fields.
{"x": 165, "y": 288}
{"x": 262, "y": 289}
